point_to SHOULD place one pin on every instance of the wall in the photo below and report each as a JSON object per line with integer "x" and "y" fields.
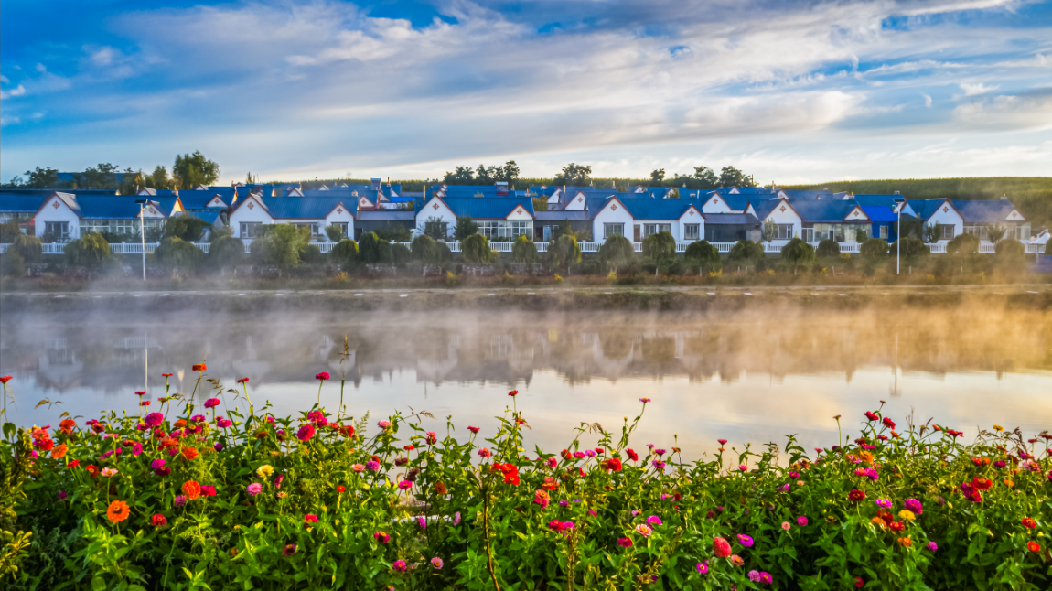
{"x": 785, "y": 214}
{"x": 947, "y": 216}
{"x": 436, "y": 208}
{"x": 613, "y": 212}
{"x": 245, "y": 213}
{"x": 62, "y": 213}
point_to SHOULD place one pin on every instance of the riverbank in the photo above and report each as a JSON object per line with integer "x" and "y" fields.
{"x": 668, "y": 298}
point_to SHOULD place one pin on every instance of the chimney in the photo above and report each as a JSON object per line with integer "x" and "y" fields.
{"x": 502, "y": 188}
{"x": 374, "y": 184}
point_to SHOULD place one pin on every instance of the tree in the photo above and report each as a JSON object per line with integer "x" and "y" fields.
{"x": 345, "y": 251}
{"x": 523, "y": 250}
{"x": 874, "y": 250}
{"x": 770, "y": 231}
{"x": 9, "y": 230}
{"x": 705, "y": 255}
{"x": 861, "y": 236}
{"x": 191, "y": 170}
{"x": 226, "y": 251}
{"x": 964, "y": 243}
{"x": 103, "y": 176}
{"x": 911, "y": 250}
{"x": 732, "y": 177}
{"x": 464, "y": 228}
{"x": 312, "y": 255}
{"x": 705, "y": 176}
{"x": 746, "y": 251}
{"x": 435, "y": 227}
{"x": 43, "y": 178}
{"x": 659, "y": 246}
{"x": 933, "y": 232}
{"x": 394, "y": 233}
{"x": 398, "y": 253}
{"x": 159, "y": 179}
{"x": 178, "y": 254}
{"x": 425, "y": 249}
{"x": 1010, "y": 254}
{"x": 995, "y": 233}
{"x": 573, "y": 175}
{"x": 565, "y": 251}
{"x": 617, "y": 252}
{"x": 186, "y": 228}
{"x": 369, "y": 248}
{"x": 28, "y": 247}
{"x": 828, "y": 249}
{"x": 476, "y": 249}
{"x": 796, "y": 252}
{"x": 12, "y": 264}
{"x": 90, "y": 250}
{"x": 334, "y": 233}
{"x": 463, "y": 176}
{"x": 281, "y": 244}
{"x": 509, "y": 172}
{"x": 656, "y": 176}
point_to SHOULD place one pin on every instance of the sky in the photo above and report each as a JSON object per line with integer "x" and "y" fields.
{"x": 789, "y": 91}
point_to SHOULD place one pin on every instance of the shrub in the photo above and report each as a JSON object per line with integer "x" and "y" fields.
{"x": 312, "y": 255}
{"x": 12, "y": 264}
{"x": 400, "y": 254}
{"x": 90, "y": 250}
{"x": 659, "y": 246}
{"x": 178, "y": 254}
{"x": 345, "y": 251}
{"x": 565, "y": 251}
{"x": 524, "y": 250}
{"x": 28, "y": 247}
{"x": 334, "y": 233}
{"x": 9, "y": 230}
{"x": 476, "y": 249}
{"x": 425, "y": 249}
{"x": 705, "y": 256}
{"x": 796, "y": 252}
{"x": 617, "y": 252}
{"x": 746, "y": 251}
{"x": 964, "y": 243}
{"x": 280, "y": 245}
{"x": 394, "y": 233}
{"x": 874, "y": 250}
{"x": 464, "y": 228}
{"x": 1010, "y": 254}
{"x": 186, "y": 228}
{"x": 226, "y": 251}
{"x": 828, "y": 249}
{"x": 369, "y": 249}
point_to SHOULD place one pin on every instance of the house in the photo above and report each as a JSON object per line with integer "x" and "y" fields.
{"x": 497, "y": 218}
{"x": 732, "y": 227}
{"x": 979, "y": 216}
{"x": 314, "y": 213}
{"x": 21, "y": 209}
{"x": 638, "y": 218}
{"x": 782, "y": 214}
{"x": 939, "y": 211}
{"x": 63, "y": 216}
{"x": 838, "y": 220}
{"x": 204, "y": 199}
{"x": 545, "y": 223}
{"x": 383, "y": 219}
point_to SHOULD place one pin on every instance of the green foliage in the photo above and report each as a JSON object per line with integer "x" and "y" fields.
{"x": 425, "y": 249}
{"x": 659, "y": 246}
{"x": 565, "y": 251}
{"x": 933, "y": 232}
{"x": 90, "y": 250}
{"x": 574, "y": 176}
{"x": 963, "y": 243}
{"x": 394, "y": 233}
{"x": 770, "y": 231}
{"x": 476, "y": 249}
{"x": 280, "y": 245}
{"x": 732, "y": 177}
{"x": 29, "y": 247}
{"x": 396, "y": 254}
{"x": 486, "y": 175}
{"x": 191, "y": 170}
{"x": 334, "y": 233}
{"x": 523, "y": 250}
{"x": 9, "y": 231}
{"x": 540, "y": 204}
{"x": 828, "y": 249}
{"x": 617, "y": 252}
{"x": 1010, "y": 254}
{"x": 704, "y": 255}
{"x": 369, "y": 248}
{"x": 796, "y": 252}
{"x": 746, "y": 251}
{"x": 312, "y": 255}
{"x": 178, "y": 254}
{"x": 12, "y": 264}
{"x": 913, "y": 250}
{"x": 345, "y": 251}
{"x": 656, "y": 176}
{"x": 995, "y": 233}
{"x": 435, "y": 228}
{"x": 874, "y": 249}
{"x": 186, "y": 228}
{"x": 861, "y": 236}
{"x": 226, "y": 251}
{"x": 464, "y": 228}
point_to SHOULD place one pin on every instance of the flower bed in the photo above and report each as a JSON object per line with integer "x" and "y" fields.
{"x": 217, "y": 499}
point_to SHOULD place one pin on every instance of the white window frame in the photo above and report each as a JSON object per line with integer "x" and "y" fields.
{"x": 785, "y": 231}
{"x": 61, "y": 229}
{"x": 947, "y": 232}
{"x": 610, "y": 229}
{"x": 807, "y": 234}
{"x": 883, "y": 232}
{"x": 649, "y": 229}
{"x": 691, "y": 232}
{"x": 250, "y": 229}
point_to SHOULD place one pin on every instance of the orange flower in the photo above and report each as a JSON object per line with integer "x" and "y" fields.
{"x": 1033, "y": 546}
{"x": 905, "y": 542}
{"x": 93, "y": 471}
{"x": 192, "y": 489}
{"x": 440, "y": 488}
{"x": 59, "y": 451}
{"x": 199, "y": 367}
{"x": 118, "y": 511}
{"x": 180, "y": 423}
{"x": 66, "y": 426}
{"x": 1009, "y": 483}
{"x": 169, "y": 442}
{"x": 189, "y": 453}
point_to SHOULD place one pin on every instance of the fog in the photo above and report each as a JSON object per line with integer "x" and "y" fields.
{"x": 750, "y": 376}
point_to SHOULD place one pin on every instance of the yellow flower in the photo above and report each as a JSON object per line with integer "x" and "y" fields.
{"x": 264, "y": 471}
{"x": 907, "y": 515}
{"x": 998, "y": 428}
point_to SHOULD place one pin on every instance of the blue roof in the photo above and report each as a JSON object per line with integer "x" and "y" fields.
{"x": 209, "y": 215}
{"x": 822, "y": 210}
{"x": 702, "y": 194}
{"x": 740, "y": 202}
{"x": 658, "y": 209}
{"x": 496, "y": 208}
{"x": 926, "y": 208}
{"x": 118, "y": 207}
{"x": 199, "y": 198}
{"x": 306, "y": 208}
{"x": 379, "y": 215}
{"x": 806, "y": 193}
{"x": 745, "y": 190}
{"x": 560, "y": 215}
{"x": 974, "y": 210}
{"x": 882, "y": 200}
{"x": 19, "y": 202}
{"x": 879, "y": 213}
{"x": 48, "y": 192}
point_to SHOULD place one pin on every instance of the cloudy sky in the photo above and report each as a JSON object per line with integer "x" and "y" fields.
{"x": 790, "y": 91}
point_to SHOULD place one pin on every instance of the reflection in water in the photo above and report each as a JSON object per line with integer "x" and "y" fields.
{"x": 760, "y": 374}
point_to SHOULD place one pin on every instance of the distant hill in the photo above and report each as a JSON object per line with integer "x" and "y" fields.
{"x": 1032, "y": 195}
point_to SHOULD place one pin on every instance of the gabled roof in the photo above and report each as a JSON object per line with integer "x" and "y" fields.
{"x": 199, "y": 199}
{"x": 926, "y": 208}
{"x": 824, "y": 210}
{"x": 496, "y": 208}
{"x": 19, "y": 202}
{"x": 113, "y": 207}
{"x": 701, "y": 194}
{"x": 764, "y": 207}
{"x": 879, "y": 213}
{"x": 50, "y": 192}
{"x": 882, "y": 200}
{"x": 984, "y": 211}
{"x": 386, "y": 215}
{"x": 658, "y": 209}
{"x": 212, "y": 216}
{"x": 745, "y": 191}
{"x": 306, "y": 208}
{"x": 806, "y": 193}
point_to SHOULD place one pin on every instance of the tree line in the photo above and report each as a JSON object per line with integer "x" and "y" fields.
{"x": 578, "y": 175}
{"x": 189, "y": 171}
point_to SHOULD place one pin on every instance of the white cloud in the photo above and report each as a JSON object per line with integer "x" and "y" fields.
{"x": 971, "y": 89}
{"x": 927, "y": 99}
{"x": 102, "y": 56}
{"x": 18, "y": 91}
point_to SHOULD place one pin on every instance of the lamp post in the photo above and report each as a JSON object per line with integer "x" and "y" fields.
{"x": 142, "y": 233}
{"x": 898, "y": 230}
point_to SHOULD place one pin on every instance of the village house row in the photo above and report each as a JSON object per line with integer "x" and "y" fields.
{"x": 722, "y": 216}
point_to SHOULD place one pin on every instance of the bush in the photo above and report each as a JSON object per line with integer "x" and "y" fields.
{"x": 617, "y": 252}
{"x": 476, "y": 249}
{"x": 12, "y": 264}
{"x": 874, "y": 250}
{"x": 659, "y": 246}
{"x": 280, "y": 245}
{"x": 565, "y": 251}
{"x": 226, "y": 251}
{"x": 178, "y": 254}
{"x": 1010, "y": 254}
{"x": 828, "y": 249}
{"x": 186, "y": 228}
{"x": 964, "y": 243}
{"x": 796, "y": 252}
{"x": 345, "y": 251}
{"x": 705, "y": 256}
{"x": 312, "y": 255}
{"x": 897, "y": 513}
{"x": 746, "y": 251}
{"x": 913, "y": 250}
{"x": 425, "y": 249}
{"x": 334, "y": 233}
{"x": 400, "y": 254}
{"x": 464, "y": 228}
{"x": 369, "y": 249}
{"x": 394, "y": 233}
{"x": 524, "y": 250}
{"x": 9, "y": 230}
{"x": 90, "y": 250}
{"x": 28, "y": 247}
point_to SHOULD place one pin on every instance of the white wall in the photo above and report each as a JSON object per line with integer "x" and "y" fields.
{"x": 339, "y": 214}
{"x": 692, "y": 216}
{"x": 519, "y": 214}
{"x": 56, "y": 210}
{"x": 947, "y": 216}
{"x": 715, "y": 204}
{"x": 436, "y": 208}
{"x": 785, "y": 214}
{"x": 577, "y": 204}
{"x": 614, "y": 212}
{"x": 250, "y": 210}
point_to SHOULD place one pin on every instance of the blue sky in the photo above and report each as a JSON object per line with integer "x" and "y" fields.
{"x": 789, "y": 91}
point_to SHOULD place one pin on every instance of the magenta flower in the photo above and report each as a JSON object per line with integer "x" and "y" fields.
{"x": 372, "y": 465}
{"x": 323, "y": 376}
{"x": 437, "y": 563}
{"x": 654, "y": 520}
{"x": 801, "y": 520}
{"x": 211, "y": 403}
{"x": 399, "y": 566}
{"x": 702, "y": 568}
{"x": 484, "y": 453}
{"x": 381, "y": 537}
{"x": 405, "y": 485}
{"x": 254, "y": 489}
{"x": 660, "y": 452}
{"x": 914, "y": 505}
{"x": 933, "y": 546}
{"x": 317, "y": 418}
{"x": 153, "y": 419}
{"x": 223, "y": 423}
{"x": 62, "y": 495}
{"x": 384, "y": 424}
{"x": 305, "y": 432}
{"x": 624, "y": 542}
{"x": 158, "y": 463}
{"x": 310, "y": 518}
{"x": 754, "y": 576}
{"x": 201, "y": 418}
{"x": 766, "y": 578}
{"x": 722, "y": 441}
{"x": 644, "y": 400}
{"x": 745, "y": 540}
{"x": 180, "y": 500}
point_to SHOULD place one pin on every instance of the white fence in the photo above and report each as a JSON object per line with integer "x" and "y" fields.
{"x": 775, "y": 247}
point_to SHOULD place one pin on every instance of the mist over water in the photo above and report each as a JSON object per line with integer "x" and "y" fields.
{"x": 749, "y": 376}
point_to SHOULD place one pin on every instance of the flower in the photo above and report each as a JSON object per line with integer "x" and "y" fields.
{"x": 905, "y": 542}
{"x": 786, "y": 526}
{"x": 856, "y": 495}
{"x": 5, "y": 379}
{"x": 189, "y": 453}
{"x": 654, "y": 520}
{"x": 737, "y": 560}
{"x": 154, "y": 419}
{"x": 1029, "y": 523}
{"x": 982, "y": 483}
{"x": 208, "y": 491}
{"x": 289, "y": 549}
{"x": 322, "y": 376}
{"x": 474, "y": 430}
{"x": 62, "y": 495}
{"x": 211, "y": 403}
{"x": 437, "y": 563}
{"x": 384, "y": 424}
{"x": 310, "y": 518}
{"x": 430, "y": 438}
{"x": 883, "y": 503}
{"x": 108, "y": 472}
{"x": 933, "y": 546}
{"x": 381, "y": 537}
{"x": 199, "y": 367}
{"x": 745, "y": 540}
{"x": 222, "y": 424}
{"x": 754, "y": 576}
{"x": 644, "y": 400}
{"x": 914, "y": 505}
{"x": 340, "y": 489}
{"x": 702, "y": 568}
{"x": 317, "y": 418}
{"x": 372, "y": 465}
{"x": 859, "y": 582}
{"x": 192, "y": 489}
{"x": 643, "y": 530}
{"x": 399, "y": 566}
{"x": 264, "y": 471}
{"x": 766, "y": 578}
{"x": 802, "y": 521}
{"x": 159, "y": 520}
{"x": 722, "y": 442}
{"x": 118, "y": 511}
{"x": 254, "y": 489}
{"x": 305, "y": 432}
{"x": 890, "y": 424}
{"x": 357, "y": 467}
{"x": 179, "y": 501}
{"x": 484, "y": 453}
{"x": 721, "y": 547}
{"x": 632, "y": 455}
{"x": 907, "y": 515}
{"x": 513, "y": 393}
{"x": 1033, "y": 546}
{"x": 658, "y": 464}
{"x": 405, "y": 485}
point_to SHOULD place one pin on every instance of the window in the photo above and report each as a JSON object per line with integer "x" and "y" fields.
{"x": 691, "y": 232}
{"x": 807, "y": 234}
{"x": 649, "y": 229}
{"x": 785, "y": 232}
{"x": 947, "y": 232}
{"x": 250, "y": 229}
{"x": 58, "y": 230}
{"x": 436, "y": 229}
{"x": 520, "y": 227}
{"x": 884, "y": 232}
{"x": 343, "y": 227}
{"x": 613, "y": 229}
{"x": 312, "y": 226}
{"x": 493, "y": 229}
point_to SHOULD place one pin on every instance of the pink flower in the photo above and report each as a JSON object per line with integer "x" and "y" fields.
{"x": 399, "y": 566}
{"x": 153, "y": 419}
{"x": 624, "y": 542}
{"x": 786, "y": 526}
{"x": 372, "y": 465}
{"x": 743, "y": 467}
{"x": 474, "y": 430}
{"x": 721, "y": 547}
{"x": 211, "y": 403}
{"x": 802, "y": 521}
{"x": 702, "y": 568}
{"x": 323, "y": 376}
{"x": 384, "y": 424}
{"x": 654, "y": 520}
{"x": 405, "y": 485}
{"x": 381, "y": 537}
{"x": 722, "y": 441}
{"x": 643, "y": 530}
{"x": 255, "y": 488}
{"x": 357, "y": 467}
{"x": 484, "y": 453}
{"x": 437, "y": 563}
{"x": 310, "y": 518}
{"x": 644, "y": 400}
{"x": 305, "y": 432}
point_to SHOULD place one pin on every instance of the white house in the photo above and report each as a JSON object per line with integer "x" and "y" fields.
{"x": 638, "y": 218}
{"x": 64, "y": 216}
{"x": 498, "y": 217}
{"x": 939, "y": 211}
{"x": 781, "y": 212}
{"x": 312, "y": 212}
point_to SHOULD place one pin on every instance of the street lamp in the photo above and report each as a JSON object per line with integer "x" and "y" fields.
{"x": 142, "y": 233}
{"x": 898, "y": 230}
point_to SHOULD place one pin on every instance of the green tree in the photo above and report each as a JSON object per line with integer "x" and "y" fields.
{"x": 103, "y": 176}
{"x": 463, "y": 176}
{"x": 177, "y": 254}
{"x": 281, "y": 245}
{"x": 43, "y": 178}
{"x": 1010, "y": 254}
{"x": 90, "y": 250}
{"x": 9, "y": 230}
{"x": 425, "y": 249}
{"x": 399, "y": 253}
{"x": 464, "y": 228}
{"x": 159, "y": 179}
{"x": 28, "y": 247}
{"x": 370, "y": 249}
{"x": 705, "y": 177}
{"x": 861, "y": 236}
{"x": 796, "y": 252}
{"x": 617, "y": 252}
{"x": 828, "y": 249}
{"x": 565, "y": 251}
{"x": 659, "y": 246}
{"x": 574, "y": 175}
{"x": 963, "y": 243}
{"x": 770, "y": 231}
{"x": 476, "y": 249}
{"x": 912, "y": 250}
{"x": 995, "y": 233}
{"x": 191, "y": 170}
{"x": 746, "y": 252}
{"x": 334, "y": 233}
{"x": 874, "y": 250}
{"x": 225, "y": 251}
{"x": 732, "y": 177}
{"x": 509, "y": 172}
{"x": 434, "y": 227}
{"x": 523, "y": 250}
{"x": 656, "y": 177}
{"x": 933, "y": 232}
{"x": 345, "y": 251}
{"x": 186, "y": 228}
{"x": 394, "y": 233}
{"x": 704, "y": 255}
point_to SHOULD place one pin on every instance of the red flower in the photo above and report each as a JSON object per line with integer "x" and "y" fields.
{"x": 856, "y": 495}
{"x": 897, "y": 526}
{"x": 1033, "y": 546}
{"x": 5, "y": 379}
{"x": 982, "y": 483}
{"x": 74, "y": 463}
{"x": 871, "y": 416}
{"x": 430, "y": 438}
{"x": 346, "y": 430}
{"x": 242, "y": 380}
{"x": 1029, "y": 523}
{"x": 192, "y": 489}
{"x": 474, "y": 430}
{"x": 974, "y": 496}
{"x": 859, "y": 582}
{"x": 510, "y": 473}
{"x": 632, "y": 455}
{"x": 159, "y": 520}
{"x": 613, "y": 464}
{"x": 889, "y": 423}
{"x": 440, "y": 488}
{"x": 199, "y": 367}
{"x": 340, "y": 489}
{"x": 310, "y": 518}
{"x": 189, "y": 453}
{"x": 166, "y": 375}
{"x": 720, "y": 547}
{"x": 513, "y": 393}
{"x": 323, "y": 376}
